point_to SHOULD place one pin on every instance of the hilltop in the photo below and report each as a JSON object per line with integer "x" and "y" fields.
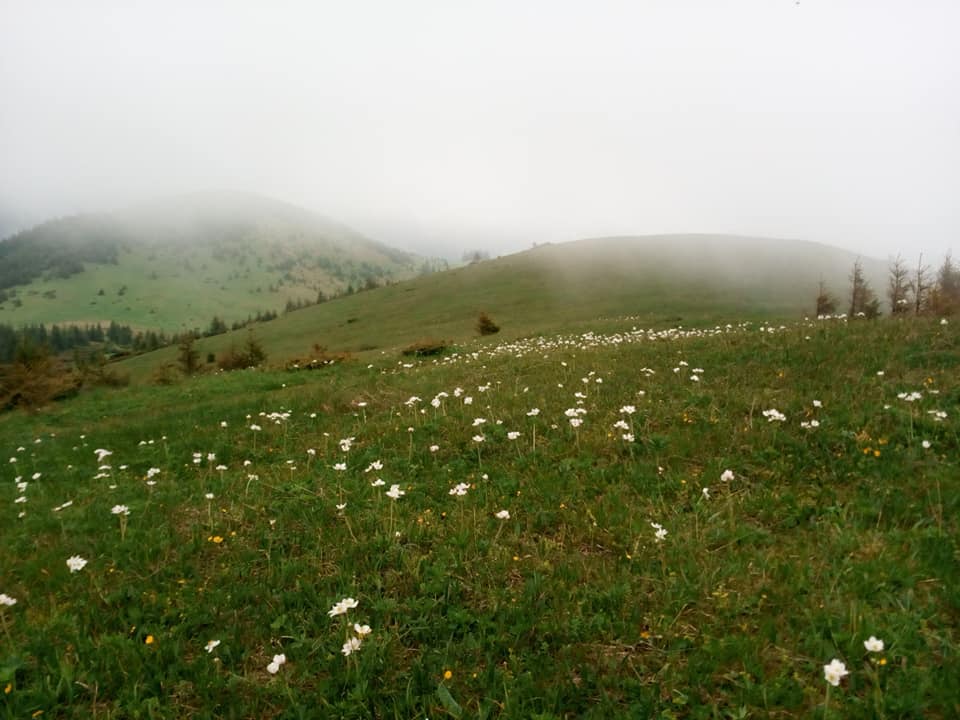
{"x": 176, "y": 263}
{"x": 655, "y": 280}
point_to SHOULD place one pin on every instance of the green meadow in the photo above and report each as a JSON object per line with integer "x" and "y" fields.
{"x": 183, "y": 260}
{"x": 658, "y": 281}
{"x": 598, "y": 521}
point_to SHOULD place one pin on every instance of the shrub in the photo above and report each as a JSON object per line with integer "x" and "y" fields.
{"x": 93, "y": 371}
{"x": 35, "y": 379}
{"x": 251, "y": 354}
{"x": 319, "y": 357}
{"x": 486, "y": 326}
{"x": 426, "y": 348}
{"x": 166, "y": 374}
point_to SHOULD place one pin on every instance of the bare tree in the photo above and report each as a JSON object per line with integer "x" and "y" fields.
{"x": 898, "y": 287}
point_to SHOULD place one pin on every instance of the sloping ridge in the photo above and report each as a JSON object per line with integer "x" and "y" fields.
{"x": 553, "y": 287}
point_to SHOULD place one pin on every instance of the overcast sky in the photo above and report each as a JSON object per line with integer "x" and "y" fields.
{"x": 497, "y": 124}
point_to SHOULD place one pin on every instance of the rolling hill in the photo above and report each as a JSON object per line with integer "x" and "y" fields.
{"x": 175, "y": 263}
{"x": 653, "y": 280}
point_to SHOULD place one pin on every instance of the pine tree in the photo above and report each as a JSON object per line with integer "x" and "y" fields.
{"x": 826, "y": 305}
{"x": 862, "y": 298}
{"x": 188, "y": 357}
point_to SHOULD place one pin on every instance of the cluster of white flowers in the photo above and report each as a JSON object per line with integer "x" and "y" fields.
{"x": 341, "y": 607}
{"x": 395, "y": 492}
{"x": 774, "y": 415}
{"x": 353, "y": 643}
{"x": 837, "y": 669}
{"x": 659, "y": 534}
{"x": 460, "y": 489}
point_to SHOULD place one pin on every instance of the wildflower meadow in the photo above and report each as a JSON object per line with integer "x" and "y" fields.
{"x": 734, "y": 521}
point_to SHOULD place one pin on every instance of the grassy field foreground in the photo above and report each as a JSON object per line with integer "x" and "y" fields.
{"x": 684, "y": 524}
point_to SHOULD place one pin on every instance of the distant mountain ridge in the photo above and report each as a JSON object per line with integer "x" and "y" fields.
{"x": 179, "y": 261}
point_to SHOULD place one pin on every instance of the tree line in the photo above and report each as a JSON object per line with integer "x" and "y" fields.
{"x": 59, "y": 249}
{"x": 64, "y": 338}
{"x": 910, "y": 291}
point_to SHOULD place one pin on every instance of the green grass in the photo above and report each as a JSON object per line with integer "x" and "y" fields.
{"x": 568, "y": 609}
{"x": 186, "y": 259}
{"x": 656, "y": 281}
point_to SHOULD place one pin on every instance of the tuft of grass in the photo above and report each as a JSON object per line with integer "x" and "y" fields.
{"x": 613, "y": 587}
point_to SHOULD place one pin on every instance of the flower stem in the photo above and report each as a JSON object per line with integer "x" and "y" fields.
{"x": 6, "y": 629}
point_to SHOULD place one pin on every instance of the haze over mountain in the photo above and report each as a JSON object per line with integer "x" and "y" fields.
{"x": 176, "y": 262}
{"x": 435, "y": 126}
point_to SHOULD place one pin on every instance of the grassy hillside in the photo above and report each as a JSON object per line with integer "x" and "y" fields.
{"x": 175, "y": 264}
{"x": 734, "y": 511}
{"x": 659, "y": 279}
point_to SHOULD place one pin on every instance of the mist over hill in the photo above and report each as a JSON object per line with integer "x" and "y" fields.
{"x": 761, "y": 273}
{"x": 177, "y": 262}
{"x": 651, "y": 280}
